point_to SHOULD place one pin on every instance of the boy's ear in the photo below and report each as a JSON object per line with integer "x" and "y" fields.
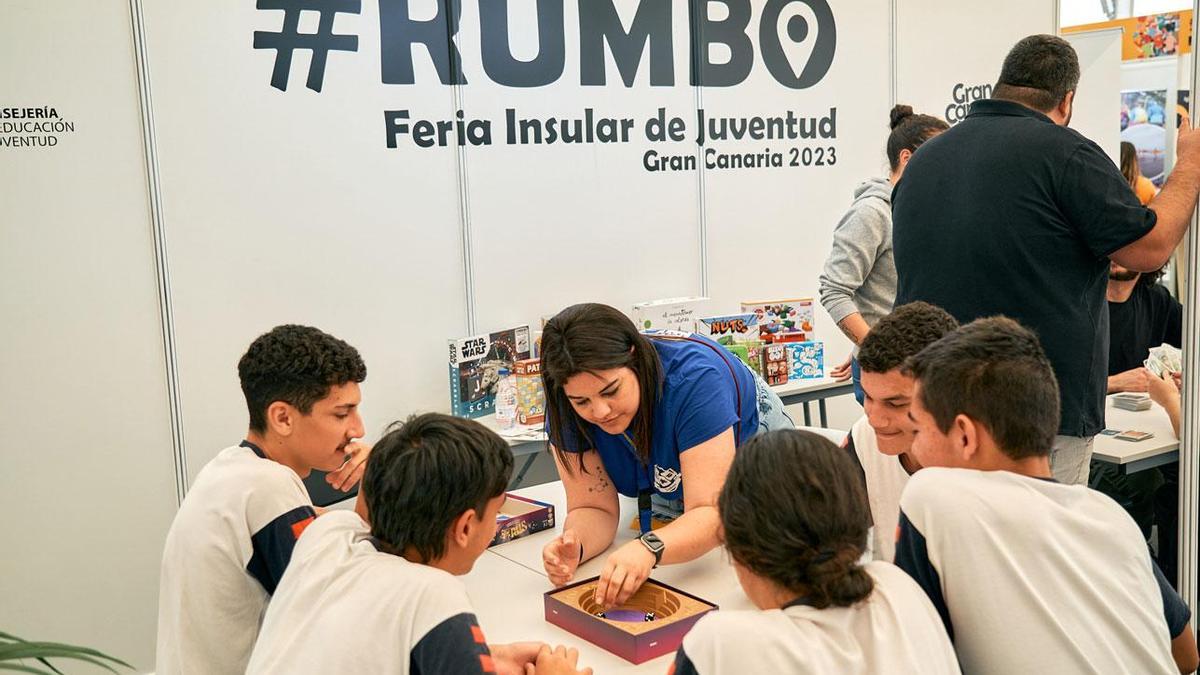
{"x": 966, "y": 436}
{"x": 462, "y": 528}
{"x": 360, "y": 505}
{"x": 280, "y": 418}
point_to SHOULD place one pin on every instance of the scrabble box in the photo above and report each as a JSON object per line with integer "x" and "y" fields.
{"x": 475, "y": 364}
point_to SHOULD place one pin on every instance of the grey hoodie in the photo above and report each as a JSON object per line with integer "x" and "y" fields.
{"x": 860, "y": 273}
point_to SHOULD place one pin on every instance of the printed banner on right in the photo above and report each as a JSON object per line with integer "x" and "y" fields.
{"x": 1150, "y": 36}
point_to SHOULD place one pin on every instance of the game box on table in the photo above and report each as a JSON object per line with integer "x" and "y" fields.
{"x": 661, "y": 615}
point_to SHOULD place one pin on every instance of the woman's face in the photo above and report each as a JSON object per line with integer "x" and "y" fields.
{"x": 607, "y": 398}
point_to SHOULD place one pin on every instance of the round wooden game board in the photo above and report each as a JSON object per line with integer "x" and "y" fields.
{"x": 666, "y": 605}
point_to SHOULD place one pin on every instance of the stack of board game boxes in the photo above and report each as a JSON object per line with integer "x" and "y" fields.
{"x": 775, "y": 338}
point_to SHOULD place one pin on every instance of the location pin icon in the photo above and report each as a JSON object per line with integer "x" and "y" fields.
{"x": 794, "y": 31}
{"x": 797, "y": 38}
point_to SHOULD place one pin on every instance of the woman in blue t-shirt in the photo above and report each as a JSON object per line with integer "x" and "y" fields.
{"x": 655, "y": 416}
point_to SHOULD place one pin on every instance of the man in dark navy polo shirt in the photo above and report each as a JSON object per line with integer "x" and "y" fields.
{"x": 1010, "y": 212}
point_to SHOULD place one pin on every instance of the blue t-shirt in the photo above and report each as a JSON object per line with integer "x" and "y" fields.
{"x": 703, "y": 385}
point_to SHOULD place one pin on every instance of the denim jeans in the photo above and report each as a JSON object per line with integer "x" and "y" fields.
{"x": 856, "y": 375}
{"x": 771, "y": 414}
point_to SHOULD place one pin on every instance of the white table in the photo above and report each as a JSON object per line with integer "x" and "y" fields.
{"x": 508, "y": 581}
{"x": 1135, "y": 456}
{"x": 525, "y": 441}
{"x": 806, "y": 391}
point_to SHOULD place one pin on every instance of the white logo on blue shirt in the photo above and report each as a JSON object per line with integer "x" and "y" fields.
{"x": 666, "y": 480}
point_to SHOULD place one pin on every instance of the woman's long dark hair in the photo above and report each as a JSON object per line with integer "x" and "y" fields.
{"x": 1129, "y": 164}
{"x": 794, "y": 510}
{"x": 587, "y": 338}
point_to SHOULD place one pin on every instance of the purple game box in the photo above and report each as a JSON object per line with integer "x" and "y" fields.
{"x": 572, "y": 608}
{"x": 521, "y": 517}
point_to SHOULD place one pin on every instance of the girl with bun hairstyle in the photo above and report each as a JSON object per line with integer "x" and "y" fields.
{"x": 858, "y": 285}
{"x": 794, "y": 520}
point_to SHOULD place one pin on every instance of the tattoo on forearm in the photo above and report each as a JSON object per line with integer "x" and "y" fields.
{"x": 601, "y": 483}
{"x": 844, "y": 325}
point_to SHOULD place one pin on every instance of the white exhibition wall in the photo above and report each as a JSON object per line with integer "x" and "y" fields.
{"x": 554, "y": 224}
{"x": 949, "y": 54}
{"x": 286, "y": 204}
{"x": 287, "y": 207}
{"x": 87, "y": 489}
{"x": 1097, "y": 100}
{"x": 769, "y": 232}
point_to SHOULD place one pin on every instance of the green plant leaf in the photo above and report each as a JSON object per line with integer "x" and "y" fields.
{"x": 49, "y": 665}
{"x": 33, "y": 650}
{"x": 18, "y": 649}
{"x": 23, "y": 669}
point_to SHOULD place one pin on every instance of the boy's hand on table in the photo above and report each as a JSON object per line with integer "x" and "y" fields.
{"x": 559, "y": 661}
{"x": 513, "y": 657}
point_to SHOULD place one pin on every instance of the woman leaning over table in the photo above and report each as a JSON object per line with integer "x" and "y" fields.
{"x": 656, "y": 416}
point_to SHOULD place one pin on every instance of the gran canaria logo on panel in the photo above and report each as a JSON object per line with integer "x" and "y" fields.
{"x": 961, "y": 98}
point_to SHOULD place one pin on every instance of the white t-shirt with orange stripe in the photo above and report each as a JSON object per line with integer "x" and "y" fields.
{"x": 226, "y": 550}
{"x": 344, "y": 606}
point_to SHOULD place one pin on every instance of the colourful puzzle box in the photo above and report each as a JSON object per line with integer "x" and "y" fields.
{"x": 649, "y": 624}
{"x": 521, "y": 517}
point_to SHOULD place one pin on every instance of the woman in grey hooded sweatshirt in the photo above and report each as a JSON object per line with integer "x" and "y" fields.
{"x": 858, "y": 285}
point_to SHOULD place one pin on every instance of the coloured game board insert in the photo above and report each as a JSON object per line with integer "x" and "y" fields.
{"x": 649, "y": 624}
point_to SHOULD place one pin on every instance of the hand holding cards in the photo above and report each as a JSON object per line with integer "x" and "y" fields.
{"x": 1164, "y": 359}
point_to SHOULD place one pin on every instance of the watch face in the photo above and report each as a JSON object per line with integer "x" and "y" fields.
{"x": 653, "y": 542}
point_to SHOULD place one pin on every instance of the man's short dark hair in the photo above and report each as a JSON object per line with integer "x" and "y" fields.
{"x": 994, "y": 371}
{"x": 296, "y": 365}
{"x": 1038, "y": 72}
{"x": 426, "y": 472}
{"x": 901, "y": 334}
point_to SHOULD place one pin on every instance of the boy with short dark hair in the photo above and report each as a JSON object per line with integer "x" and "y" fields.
{"x": 382, "y": 597}
{"x": 879, "y": 442}
{"x": 233, "y": 536}
{"x": 1028, "y": 574}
